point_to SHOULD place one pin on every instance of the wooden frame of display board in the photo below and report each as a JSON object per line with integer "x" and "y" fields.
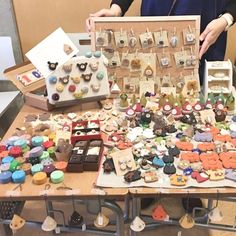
{"x": 140, "y": 25}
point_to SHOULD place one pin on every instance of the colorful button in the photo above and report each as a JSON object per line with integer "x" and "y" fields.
{"x": 47, "y": 161}
{"x": 60, "y": 88}
{"x": 55, "y": 97}
{"x": 5, "y": 177}
{"x": 18, "y": 176}
{"x": 5, "y": 167}
{"x": 37, "y": 141}
{"x": 51, "y": 152}
{"x": 3, "y": 148}
{"x": 44, "y": 156}
{"x": 100, "y": 75}
{"x": 72, "y": 88}
{"x": 97, "y": 54}
{"x": 12, "y": 140}
{"x": 88, "y": 54}
{"x": 21, "y": 160}
{"x": 14, "y": 165}
{"x": 4, "y": 154}
{"x": 52, "y": 79}
{"x": 40, "y": 178}
{"x": 7, "y": 159}
{"x": 49, "y": 169}
{"x": 21, "y": 143}
{"x": 26, "y": 167}
{"x": 36, "y": 152}
{"x": 61, "y": 165}
{"x": 15, "y": 151}
{"x": 48, "y": 144}
{"x": 36, "y": 168}
{"x": 57, "y": 176}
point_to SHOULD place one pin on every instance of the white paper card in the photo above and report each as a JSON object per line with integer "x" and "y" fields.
{"x": 51, "y": 49}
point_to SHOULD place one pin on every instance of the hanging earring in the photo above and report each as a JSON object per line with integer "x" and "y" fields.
{"x": 100, "y": 41}
{"x": 174, "y": 39}
{"x": 190, "y": 36}
{"x": 101, "y": 220}
{"x": 125, "y": 61}
{"x": 216, "y": 214}
{"x": 159, "y": 212}
{"x": 187, "y": 221}
{"x": 132, "y": 39}
{"x": 76, "y": 219}
{"x": 16, "y": 223}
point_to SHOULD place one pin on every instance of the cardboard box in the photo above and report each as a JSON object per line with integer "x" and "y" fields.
{"x": 33, "y": 92}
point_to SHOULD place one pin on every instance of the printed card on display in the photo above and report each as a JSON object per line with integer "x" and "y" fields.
{"x": 52, "y": 52}
{"x": 146, "y": 86}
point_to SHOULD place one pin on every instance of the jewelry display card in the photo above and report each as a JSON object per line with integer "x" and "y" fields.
{"x": 56, "y": 49}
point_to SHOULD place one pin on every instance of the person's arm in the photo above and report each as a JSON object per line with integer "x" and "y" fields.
{"x": 117, "y": 8}
{"x": 123, "y": 4}
{"x": 231, "y": 9}
{"x": 217, "y": 26}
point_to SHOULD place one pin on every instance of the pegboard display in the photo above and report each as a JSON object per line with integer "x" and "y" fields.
{"x": 79, "y": 79}
{"x": 160, "y": 49}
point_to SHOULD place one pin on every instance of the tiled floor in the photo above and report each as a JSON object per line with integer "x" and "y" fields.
{"x": 34, "y": 211}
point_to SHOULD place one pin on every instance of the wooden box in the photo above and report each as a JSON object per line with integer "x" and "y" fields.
{"x": 34, "y": 92}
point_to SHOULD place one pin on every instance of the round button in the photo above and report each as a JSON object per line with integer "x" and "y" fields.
{"x": 7, "y": 159}
{"x": 36, "y": 152}
{"x": 26, "y": 167}
{"x": 40, "y": 178}
{"x": 21, "y": 143}
{"x": 14, "y": 165}
{"x": 18, "y": 176}
{"x": 48, "y": 144}
{"x": 52, "y": 79}
{"x": 100, "y": 75}
{"x": 44, "y": 156}
{"x": 97, "y": 54}
{"x": 60, "y": 88}
{"x": 4, "y": 167}
{"x": 12, "y": 140}
{"x": 37, "y": 141}
{"x": 15, "y": 151}
{"x": 36, "y": 168}
{"x": 88, "y": 54}
{"x": 5, "y": 177}
{"x": 61, "y": 165}
{"x": 57, "y": 176}
{"x": 84, "y": 90}
{"x": 49, "y": 169}
{"x": 55, "y": 97}
{"x": 72, "y": 88}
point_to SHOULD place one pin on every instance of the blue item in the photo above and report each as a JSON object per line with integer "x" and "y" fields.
{"x": 18, "y": 176}
{"x": 36, "y": 168}
{"x": 37, "y": 141}
{"x": 7, "y": 159}
{"x": 5, "y": 177}
{"x": 158, "y": 162}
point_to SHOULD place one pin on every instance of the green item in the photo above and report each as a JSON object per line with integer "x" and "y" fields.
{"x": 171, "y": 99}
{"x": 230, "y": 102}
{"x": 124, "y": 100}
{"x": 51, "y": 152}
{"x": 143, "y": 101}
{"x": 14, "y": 165}
{"x": 57, "y": 176}
{"x": 44, "y": 156}
{"x": 222, "y": 97}
{"x": 133, "y": 100}
{"x": 212, "y": 98}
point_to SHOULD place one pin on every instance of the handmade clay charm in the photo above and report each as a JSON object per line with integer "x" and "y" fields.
{"x": 52, "y": 65}
{"x": 159, "y": 213}
{"x": 137, "y": 224}
{"x": 186, "y": 221}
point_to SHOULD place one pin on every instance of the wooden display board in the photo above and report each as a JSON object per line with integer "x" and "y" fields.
{"x": 161, "y": 30}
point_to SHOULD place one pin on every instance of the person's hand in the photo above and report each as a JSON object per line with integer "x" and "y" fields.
{"x": 211, "y": 33}
{"x": 115, "y": 10}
